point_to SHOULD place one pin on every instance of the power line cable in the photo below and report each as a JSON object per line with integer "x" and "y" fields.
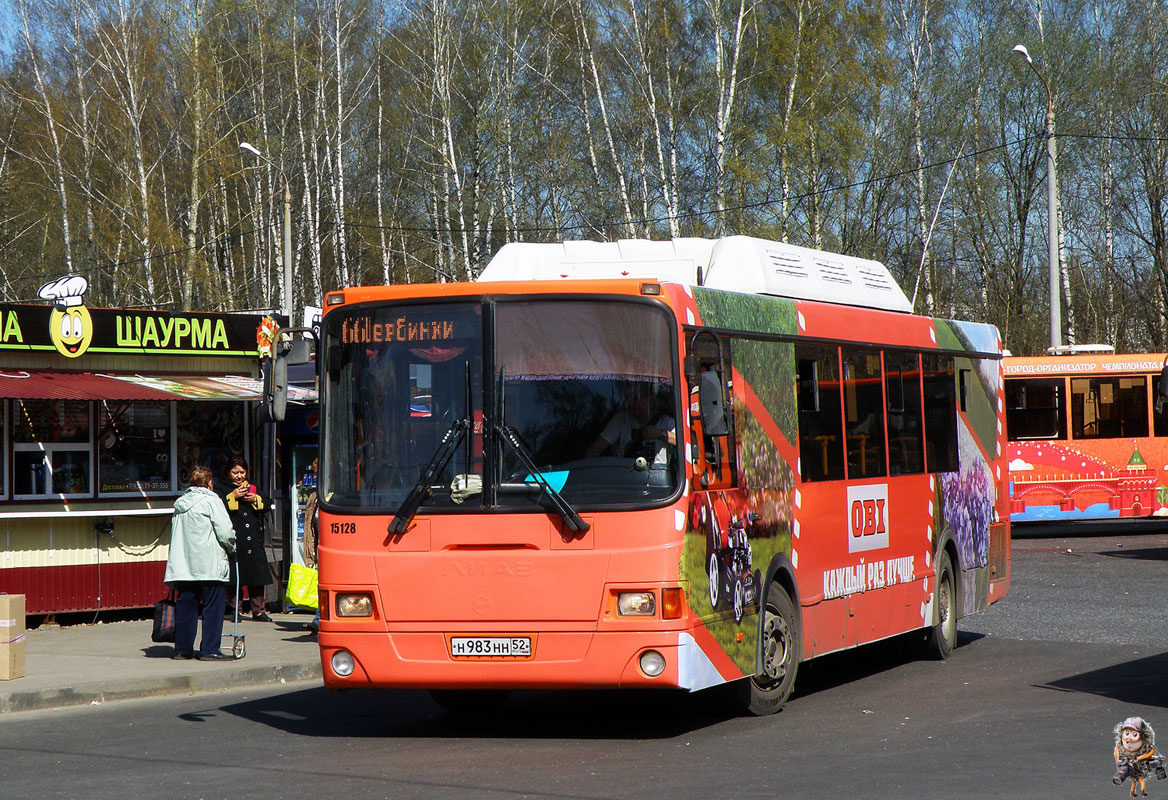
{"x": 163, "y": 254}
{"x": 633, "y": 222}
{"x": 708, "y": 212}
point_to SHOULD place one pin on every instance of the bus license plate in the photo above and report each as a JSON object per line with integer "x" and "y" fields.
{"x": 490, "y": 646}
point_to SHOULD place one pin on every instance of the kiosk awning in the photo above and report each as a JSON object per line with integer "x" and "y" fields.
{"x": 33, "y": 385}
{"x": 198, "y": 387}
{"x": 26, "y": 385}
{"x": 215, "y": 387}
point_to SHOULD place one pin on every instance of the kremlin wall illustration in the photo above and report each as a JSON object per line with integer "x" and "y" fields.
{"x": 1050, "y": 481}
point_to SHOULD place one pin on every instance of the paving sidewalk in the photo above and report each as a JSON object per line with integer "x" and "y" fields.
{"x": 85, "y": 664}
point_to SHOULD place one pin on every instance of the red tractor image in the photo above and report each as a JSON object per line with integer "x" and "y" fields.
{"x": 728, "y": 558}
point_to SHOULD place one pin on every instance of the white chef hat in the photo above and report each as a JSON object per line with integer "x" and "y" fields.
{"x": 65, "y": 292}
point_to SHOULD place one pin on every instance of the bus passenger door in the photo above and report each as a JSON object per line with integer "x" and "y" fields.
{"x": 728, "y": 584}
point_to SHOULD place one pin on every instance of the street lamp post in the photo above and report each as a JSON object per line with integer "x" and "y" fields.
{"x": 1056, "y": 326}
{"x": 286, "y": 289}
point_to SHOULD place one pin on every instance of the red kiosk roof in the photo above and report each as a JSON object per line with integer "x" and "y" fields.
{"x": 40, "y": 385}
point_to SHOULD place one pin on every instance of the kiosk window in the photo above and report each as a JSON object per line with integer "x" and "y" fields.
{"x": 134, "y": 440}
{"x": 52, "y": 450}
{"x": 209, "y": 433}
{"x": 3, "y": 449}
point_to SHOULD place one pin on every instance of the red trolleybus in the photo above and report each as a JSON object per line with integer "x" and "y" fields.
{"x": 1088, "y": 435}
{"x": 650, "y": 464}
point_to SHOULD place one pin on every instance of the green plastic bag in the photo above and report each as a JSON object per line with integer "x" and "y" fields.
{"x": 302, "y": 586}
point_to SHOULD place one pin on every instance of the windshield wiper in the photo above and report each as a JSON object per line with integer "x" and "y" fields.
{"x": 405, "y": 512}
{"x": 571, "y": 518}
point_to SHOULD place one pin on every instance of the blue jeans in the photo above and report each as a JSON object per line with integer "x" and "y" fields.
{"x": 186, "y": 615}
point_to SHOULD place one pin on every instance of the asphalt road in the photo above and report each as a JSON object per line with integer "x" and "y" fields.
{"x": 1024, "y": 708}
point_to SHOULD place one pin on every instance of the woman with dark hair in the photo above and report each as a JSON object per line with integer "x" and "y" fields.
{"x": 246, "y": 509}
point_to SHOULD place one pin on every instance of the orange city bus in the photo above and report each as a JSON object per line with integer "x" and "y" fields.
{"x": 1087, "y": 435}
{"x": 647, "y": 464}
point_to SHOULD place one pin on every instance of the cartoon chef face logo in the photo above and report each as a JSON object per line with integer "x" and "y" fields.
{"x": 70, "y": 325}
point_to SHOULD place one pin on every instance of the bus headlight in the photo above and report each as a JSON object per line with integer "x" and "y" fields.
{"x": 354, "y": 605}
{"x": 636, "y": 604}
{"x": 652, "y": 663}
{"x": 343, "y": 663}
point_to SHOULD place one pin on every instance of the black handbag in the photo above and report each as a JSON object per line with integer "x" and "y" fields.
{"x": 164, "y": 619}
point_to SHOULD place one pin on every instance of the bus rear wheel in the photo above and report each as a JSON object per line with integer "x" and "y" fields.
{"x": 779, "y": 653}
{"x": 470, "y": 701}
{"x": 943, "y": 636}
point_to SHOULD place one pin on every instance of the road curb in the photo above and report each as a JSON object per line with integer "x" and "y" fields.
{"x": 110, "y": 690}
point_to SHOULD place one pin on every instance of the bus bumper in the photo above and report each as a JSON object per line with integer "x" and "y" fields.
{"x": 559, "y": 660}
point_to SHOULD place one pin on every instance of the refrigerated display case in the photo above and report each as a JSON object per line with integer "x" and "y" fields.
{"x": 303, "y": 456}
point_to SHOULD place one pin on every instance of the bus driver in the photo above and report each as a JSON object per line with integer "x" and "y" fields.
{"x": 638, "y": 429}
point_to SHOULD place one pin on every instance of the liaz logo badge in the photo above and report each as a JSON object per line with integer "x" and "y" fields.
{"x": 867, "y": 517}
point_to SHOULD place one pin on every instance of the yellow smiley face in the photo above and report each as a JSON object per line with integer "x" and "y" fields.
{"x": 71, "y": 330}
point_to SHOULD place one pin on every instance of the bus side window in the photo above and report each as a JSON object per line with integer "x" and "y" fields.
{"x": 864, "y": 413}
{"x": 1160, "y": 403}
{"x": 1036, "y": 408}
{"x": 817, "y": 393}
{"x": 940, "y": 399}
{"x": 902, "y": 378}
{"x": 1109, "y": 407}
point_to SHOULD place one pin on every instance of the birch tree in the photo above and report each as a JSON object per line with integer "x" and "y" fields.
{"x": 122, "y": 44}
{"x": 55, "y": 168}
{"x": 729, "y": 41}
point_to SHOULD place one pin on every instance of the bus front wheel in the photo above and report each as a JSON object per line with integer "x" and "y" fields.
{"x": 943, "y": 636}
{"x": 779, "y": 653}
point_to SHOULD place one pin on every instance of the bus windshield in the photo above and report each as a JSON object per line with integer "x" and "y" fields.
{"x": 555, "y": 396}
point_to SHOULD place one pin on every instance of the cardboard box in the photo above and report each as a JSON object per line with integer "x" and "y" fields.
{"x": 11, "y": 636}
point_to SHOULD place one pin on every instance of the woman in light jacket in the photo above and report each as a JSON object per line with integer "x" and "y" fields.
{"x": 201, "y": 536}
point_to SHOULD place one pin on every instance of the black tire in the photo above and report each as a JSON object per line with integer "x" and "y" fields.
{"x": 713, "y": 570}
{"x": 780, "y": 649}
{"x": 470, "y": 702}
{"x": 943, "y": 636}
{"x": 757, "y": 590}
{"x": 239, "y": 648}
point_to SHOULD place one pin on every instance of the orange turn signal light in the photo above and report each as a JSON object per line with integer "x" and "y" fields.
{"x": 671, "y": 602}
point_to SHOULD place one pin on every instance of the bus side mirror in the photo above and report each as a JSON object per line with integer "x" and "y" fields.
{"x": 712, "y": 405}
{"x": 286, "y": 352}
{"x": 274, "y": 404}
